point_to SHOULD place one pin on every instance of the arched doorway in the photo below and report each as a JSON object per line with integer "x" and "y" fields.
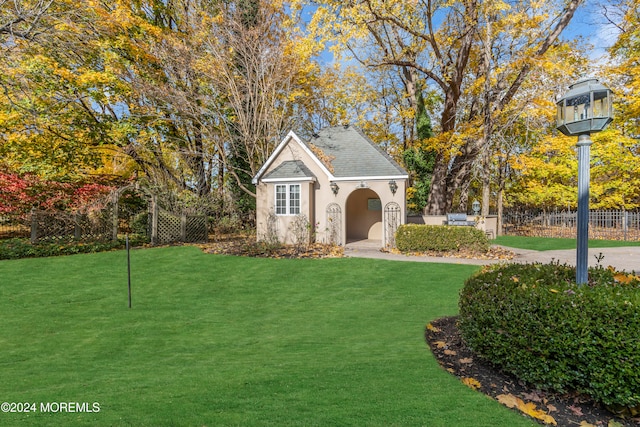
{"x": 364, "y": 216}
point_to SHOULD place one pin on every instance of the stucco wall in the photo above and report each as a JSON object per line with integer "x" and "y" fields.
{"x": 284, "y": 224}
{"x": 357, "y": 221}
{"x": 319, "y": 196}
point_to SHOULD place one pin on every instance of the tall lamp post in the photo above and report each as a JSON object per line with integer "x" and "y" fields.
{"x": 587, "y": 107}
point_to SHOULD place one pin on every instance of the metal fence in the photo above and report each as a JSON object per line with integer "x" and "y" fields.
{"x": 160, "y": 226}
{"x": 608, "y": 225}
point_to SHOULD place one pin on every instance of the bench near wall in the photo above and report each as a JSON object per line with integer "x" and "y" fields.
{"x": 489, "y": 225}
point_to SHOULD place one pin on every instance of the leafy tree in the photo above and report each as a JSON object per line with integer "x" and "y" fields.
{"x": 625, "y": 71}
{"x": 23, "y": 19}
{"x": 443, "y": 43}
{"x": 546, "y": 172}
{"x": 419, "y": 160}
{"x": 52, "y": 80}
{"x": 180, "y": 93}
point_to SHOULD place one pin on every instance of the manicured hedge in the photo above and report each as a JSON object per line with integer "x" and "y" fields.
{"x": 23, "y": 248}
{"x": 536, "y": 323}
{"x": 441, "y": 238}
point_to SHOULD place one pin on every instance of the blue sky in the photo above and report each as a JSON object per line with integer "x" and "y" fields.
{"x": 590, "y": 24}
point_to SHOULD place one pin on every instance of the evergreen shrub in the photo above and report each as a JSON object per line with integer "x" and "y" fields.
{"x": 23, "y": 248}
{"x": 536, "y": 323}
{"x": 440, "y": 238}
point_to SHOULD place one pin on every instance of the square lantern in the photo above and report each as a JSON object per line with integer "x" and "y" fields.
{"x": 587, "y": 107}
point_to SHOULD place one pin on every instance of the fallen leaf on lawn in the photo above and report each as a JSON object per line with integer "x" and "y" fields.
{"x": 586, "y": 424}
{"x": 450, "y": 352}
{"x": 451, "y": 370}
{"x": 614, "y": 423}
{"x": 471, "y": 383}
{"x": 432, "y": 328}
{"x": 533, "y": 396}
{"x": 576, "y": 410}
{"x": 551, "y": 408}
{"x": 548, "y": 419}
{"x": 624, "y": 278}
{"x": 508, "y": 400}
{"x": 440, "y": 344}
{"x": 530, "y": 409}
{"x": 466, "y": 360}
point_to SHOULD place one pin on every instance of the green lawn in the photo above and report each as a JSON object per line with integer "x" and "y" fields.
{"x": 218, "y": 340}
{"x": 549, "y": 243}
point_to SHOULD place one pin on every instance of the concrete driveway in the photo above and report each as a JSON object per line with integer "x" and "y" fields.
{"x": 625, "y": 258}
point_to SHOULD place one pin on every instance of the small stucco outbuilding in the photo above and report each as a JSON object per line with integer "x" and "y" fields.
{"x": 342, "y": 183}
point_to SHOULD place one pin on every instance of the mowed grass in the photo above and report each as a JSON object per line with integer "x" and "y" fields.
{"x": 550, "y": 243}
{"x": 217, "y": 340}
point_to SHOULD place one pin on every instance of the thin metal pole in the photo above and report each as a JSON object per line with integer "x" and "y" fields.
{"x": 128, "y": 269}
{"x": 582, "y": 253}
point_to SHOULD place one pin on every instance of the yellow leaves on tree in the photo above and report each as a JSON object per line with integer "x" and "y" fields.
{"x": 547, "y": 173}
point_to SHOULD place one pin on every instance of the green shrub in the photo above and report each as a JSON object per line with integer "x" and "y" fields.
{"x": 140, "y": 224}
{"x": 536, "y": 323}
{"x": 228, "y": 224}
{"x": 23, "y": 248}
{"x": 441, "y": 238}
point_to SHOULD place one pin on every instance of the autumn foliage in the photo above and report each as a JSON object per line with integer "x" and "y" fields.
{"x": 536, "y": 323}
{"x": 19, "y": 193}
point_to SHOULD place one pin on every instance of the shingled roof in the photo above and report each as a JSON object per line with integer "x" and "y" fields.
{"x": 292, "y": 169}
{"x": 347, "y": 152}
{"x": 344, "y": 152}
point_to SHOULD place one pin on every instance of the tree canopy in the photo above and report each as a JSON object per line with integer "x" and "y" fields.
{"x": 192, "y": 96}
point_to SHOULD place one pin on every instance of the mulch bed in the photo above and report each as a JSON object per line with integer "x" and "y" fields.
{"x": 447, "y": 346}
{"x": 246, "y": 245}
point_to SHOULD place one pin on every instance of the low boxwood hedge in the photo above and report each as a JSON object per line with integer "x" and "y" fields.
{"x": 23, "y": 248}
{"x": 536, "y": 323}
{"x": 440, "y": 238}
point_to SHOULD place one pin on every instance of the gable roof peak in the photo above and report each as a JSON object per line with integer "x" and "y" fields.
{"x": 348, "y": 153}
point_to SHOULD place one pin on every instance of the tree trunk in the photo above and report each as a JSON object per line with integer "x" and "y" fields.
{"x": 463, "y": 204}
{"x": 437, "y": 203}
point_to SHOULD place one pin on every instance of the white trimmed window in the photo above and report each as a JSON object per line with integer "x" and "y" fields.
{"x": 287, "y": 199}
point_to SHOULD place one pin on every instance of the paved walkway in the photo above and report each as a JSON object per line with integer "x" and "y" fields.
{"x": 625, "y": 258}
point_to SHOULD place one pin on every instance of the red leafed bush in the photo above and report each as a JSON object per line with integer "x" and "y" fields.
{"x": 19, "y": 193}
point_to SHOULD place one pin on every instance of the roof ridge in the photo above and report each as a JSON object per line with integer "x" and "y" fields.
{"x": 378, "y": 147}
{"x": 330, "y": 131}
